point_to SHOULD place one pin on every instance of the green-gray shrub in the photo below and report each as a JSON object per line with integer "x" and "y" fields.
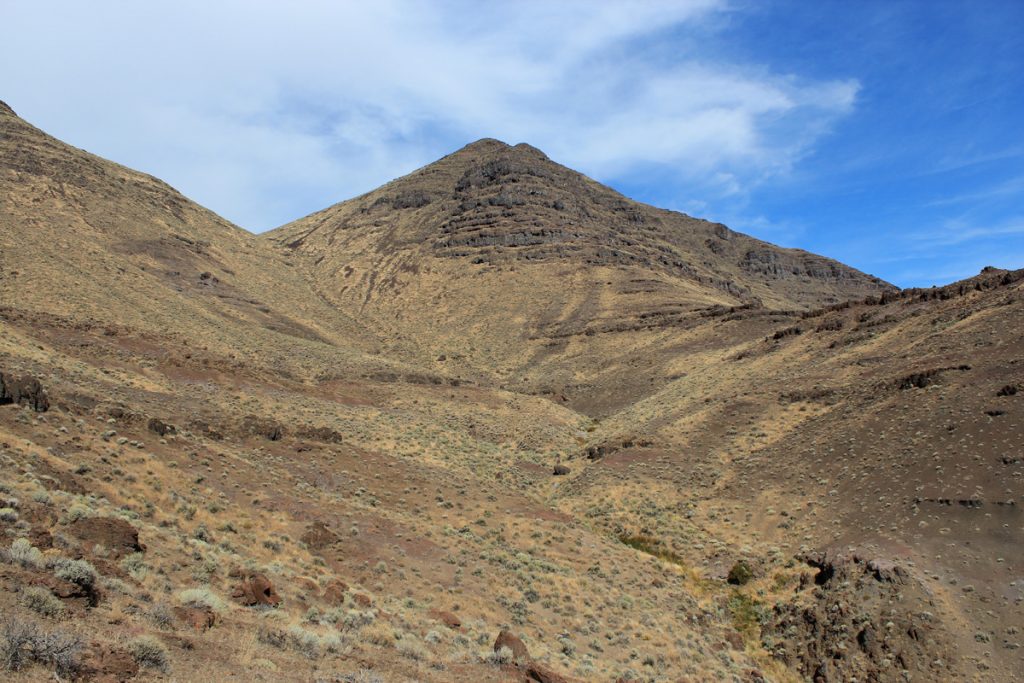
{"x": 149, "y": 653}
{"x": 23, "y": 643}
{"x": 78, "y": 572}
{"x": 41, "y": 601}
{"x": 24, "y": 553}
{"x": 202, "y": 597}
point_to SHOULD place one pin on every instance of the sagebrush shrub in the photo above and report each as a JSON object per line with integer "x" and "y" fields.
{"x": 42, "y": 601}
{"x": 149, "y": 653}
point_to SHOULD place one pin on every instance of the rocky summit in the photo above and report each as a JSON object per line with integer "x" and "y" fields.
{"x": 492, "y": 421}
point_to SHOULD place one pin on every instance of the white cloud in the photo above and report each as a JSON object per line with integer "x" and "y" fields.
{"x": 267, "y": 111}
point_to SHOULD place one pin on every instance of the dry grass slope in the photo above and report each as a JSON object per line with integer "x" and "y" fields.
{"x": 329, "y": 453}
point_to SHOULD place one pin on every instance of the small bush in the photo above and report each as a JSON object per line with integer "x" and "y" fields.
{"x": 149, "y": 653}
{"x": 354, "y": 619}
{"x": 24, "y": 553}
{"x": 23, "y": 643}
{"x": 379, "y": 634}
{"x": 412, "y": 648}
{"x": 161, "y": 615}
{"x": 272, "y": 636}
{"x": 76, "y": 571}
{"x": 42, "y": 601}
{"x": 9, "y": 515}
{"x": 135, "y": 565}
{"x": 202, "y": 597}
{"x": 740, "y": 574}
{"x": 306, "y": 642}
{"x": 501, "y": 657}
{"x": 77, "y": 512}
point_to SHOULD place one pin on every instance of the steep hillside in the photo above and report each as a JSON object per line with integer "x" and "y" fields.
{"x": 89, "y": 242}
{"x": 491, "y": 422}
{"x": 885, "y": 433}
{"x": 521, "y": 271}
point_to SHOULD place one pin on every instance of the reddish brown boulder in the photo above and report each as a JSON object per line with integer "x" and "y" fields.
{"x": 106, "y": 664}
{"x": 83, "y": 595}
{"x": 447, "y": 618}
{"x": 362, "y": 600}
{"x": 113, "y": 533}
{"x": 198, "y": 618}
{"x": 334, "y": 593}
{"x": 541, "y": 674}
{"x": 256, "y": 589}
{"x": 512, "y": 642}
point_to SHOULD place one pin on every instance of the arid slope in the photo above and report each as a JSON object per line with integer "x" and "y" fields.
{"x": 491, "y": 395}
{"x": 503, "y": 263}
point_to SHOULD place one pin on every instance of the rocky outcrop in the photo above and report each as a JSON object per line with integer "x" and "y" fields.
{"x": 255, "y": 589}
{"x": 267, "y": 428}
{"x": 324, "y": 434}
{"x": 1008, "y": 390}
{"x": 522, "y": 664}
{"x": 103, "y": 663}
{"x": 82, "y": 594}
{"x": 115, "y": 535}
{"x": 25, "y": 390}
{"x": 447, "y": 618}
{"x": 317, "y": 536}
{"x": 512, "y": 642}
{"x": 197, "y": 618}
{"x": 334, "y": 593}
{"x": 538, "y": 673}
{"x": 859, "y": 618}
{"x": 160, "y": 428}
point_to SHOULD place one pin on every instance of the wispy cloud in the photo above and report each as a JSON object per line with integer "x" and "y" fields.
{"x": 266, "y": 111}
{"x": 955, "y": 232}
{"x": 1006, "y": 188}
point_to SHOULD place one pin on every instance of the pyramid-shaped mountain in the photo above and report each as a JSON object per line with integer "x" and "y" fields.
{"x": 513, "y": 264}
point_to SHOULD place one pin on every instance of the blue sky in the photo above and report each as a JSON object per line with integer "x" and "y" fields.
{"x": 885, "y": 134}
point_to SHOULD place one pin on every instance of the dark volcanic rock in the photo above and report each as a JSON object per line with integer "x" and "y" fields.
{"x": 161, "y": 428}
{"x": 262, "y": 426}
{"x": 324, "y": 434}
{"x": 856, "y": 618}
{"x": 740, "y": 574}
{"x": 113, "y": 533}
{"x": 107, "y": 664}
{"x": 318, "y": 536}
{"x": 25, "y": 390}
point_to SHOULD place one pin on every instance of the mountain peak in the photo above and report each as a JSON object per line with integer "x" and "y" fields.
{"x": 511, "y": 207}
{"x": 488, "y": 147}
{"x": 484, "y": 145}
{"x": 6, "y": 109}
